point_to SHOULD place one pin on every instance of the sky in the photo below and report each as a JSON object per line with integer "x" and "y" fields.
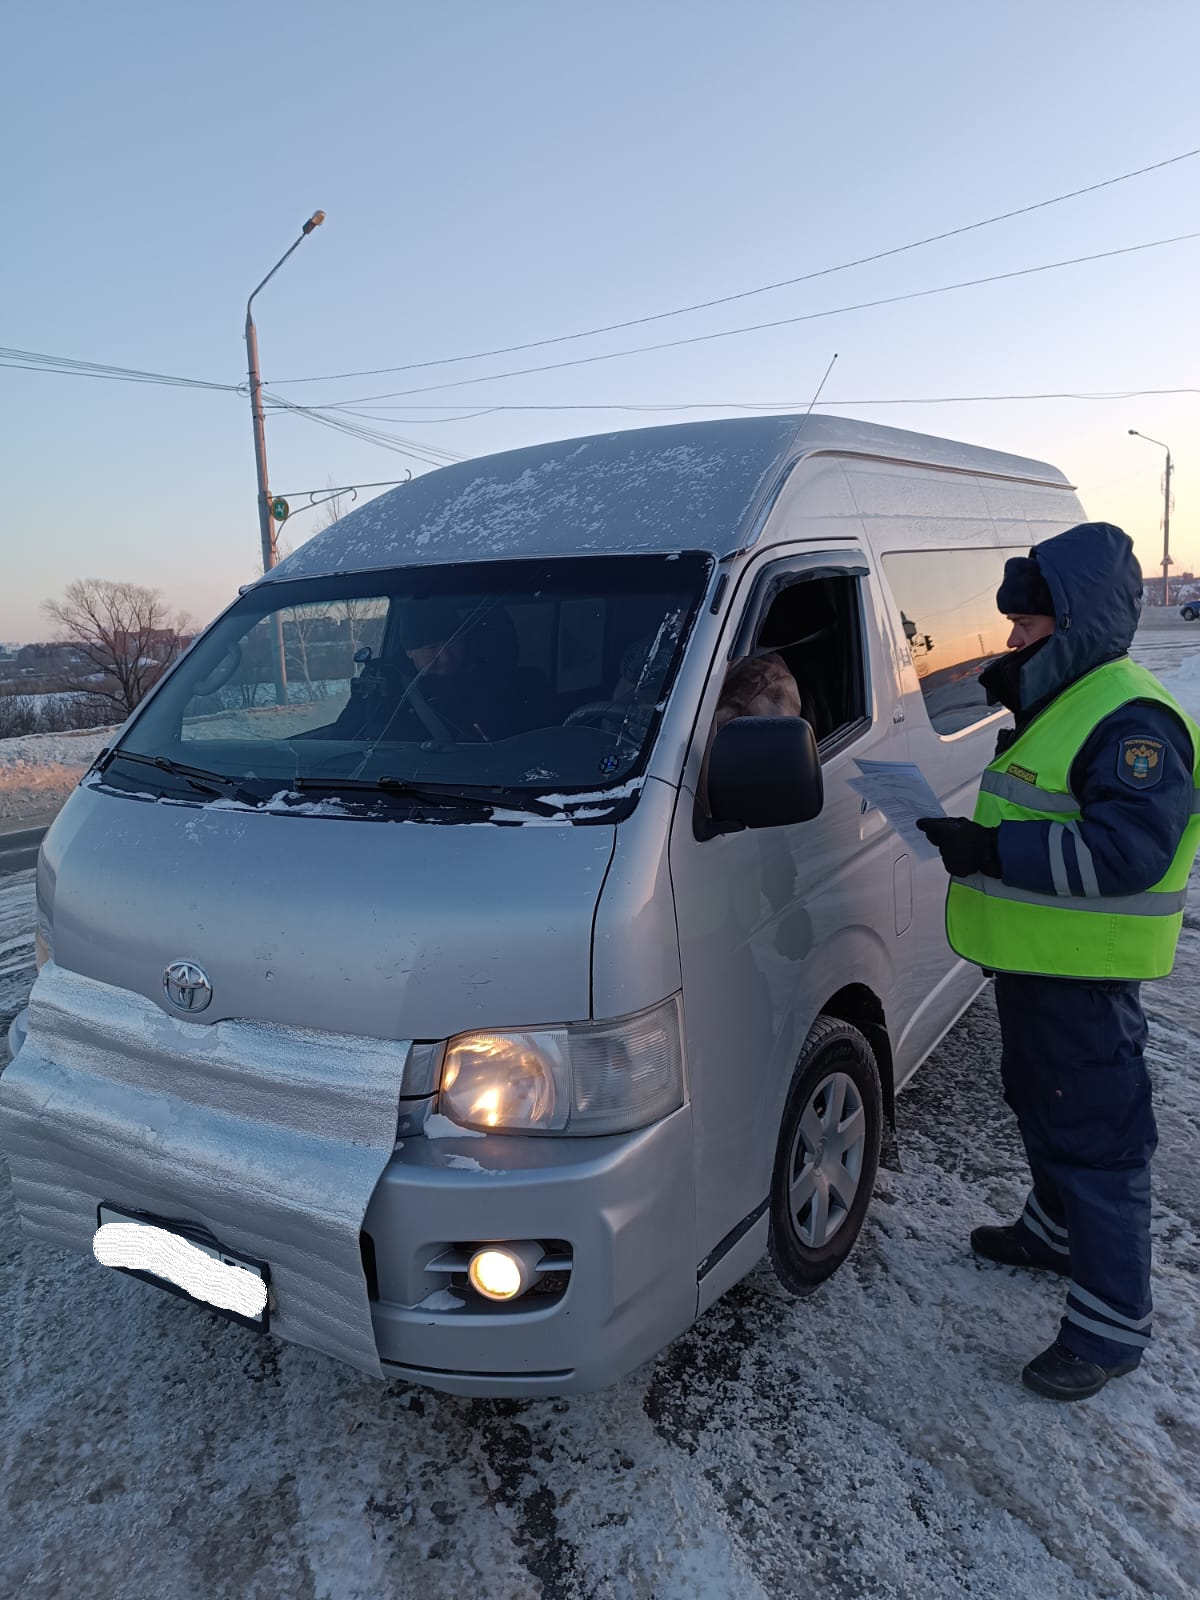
{"x": 496, "y": 175}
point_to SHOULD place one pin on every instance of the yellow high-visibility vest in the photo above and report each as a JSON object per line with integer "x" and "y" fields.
{"x": 1067, "y": 935}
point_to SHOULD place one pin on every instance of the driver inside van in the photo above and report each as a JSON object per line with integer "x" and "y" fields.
{"x": 450, "y": 686}
{"x": 468, "y": 672}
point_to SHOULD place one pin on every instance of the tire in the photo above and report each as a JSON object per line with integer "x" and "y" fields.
{"x": 1189, "y": 613}
{"x": 821, "y": 1186}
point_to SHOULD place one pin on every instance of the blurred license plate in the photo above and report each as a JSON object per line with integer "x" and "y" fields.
{"x": 184, "y": 1259}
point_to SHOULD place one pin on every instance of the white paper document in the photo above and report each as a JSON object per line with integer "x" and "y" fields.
{"x": 901, "y": 791}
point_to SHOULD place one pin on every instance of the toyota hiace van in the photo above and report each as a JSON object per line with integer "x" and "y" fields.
{"x": 423, "y": 980}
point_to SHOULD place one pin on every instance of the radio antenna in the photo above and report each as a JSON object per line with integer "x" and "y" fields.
{"x": 756, "y": 527}
{"x": 817, "y": 396}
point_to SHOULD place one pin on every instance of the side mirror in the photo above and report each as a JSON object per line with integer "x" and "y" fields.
{"x": 764, "y": 772}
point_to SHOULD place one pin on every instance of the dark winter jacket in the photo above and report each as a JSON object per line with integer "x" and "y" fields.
{"x": 1131, "y": 832}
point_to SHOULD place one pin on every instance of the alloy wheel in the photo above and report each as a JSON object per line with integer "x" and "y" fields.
{"x": 826, "y": 1160}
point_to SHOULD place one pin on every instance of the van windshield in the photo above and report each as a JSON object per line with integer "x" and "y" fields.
{"x": 511, "y": 678}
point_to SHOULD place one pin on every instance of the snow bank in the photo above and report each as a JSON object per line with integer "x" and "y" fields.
{"x": 77, "y": 749}
{"x": 38, "y": 771}
{"x": 1184, "y": 683}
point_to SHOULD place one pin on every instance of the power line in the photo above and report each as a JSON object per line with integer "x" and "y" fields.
{"x": 773, "y": 405}
{"x": 434, "y": 456}
{"x": 68, "y": 366}
{"x": 34, "y": 361}
{"x": 431, "y": 455}
{"x": 965, "y": 399}
{"x": 766, "y": 288}
{"x": 779, "y": 322}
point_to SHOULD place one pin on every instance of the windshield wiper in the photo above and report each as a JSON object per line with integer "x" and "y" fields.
{"x": 438, "y": 793}
{"x": 200, "y": 778}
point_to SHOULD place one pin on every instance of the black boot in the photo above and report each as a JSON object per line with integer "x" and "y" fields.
{"x": 1007, "y": 1246}
{"x": 1058, "y": 1374}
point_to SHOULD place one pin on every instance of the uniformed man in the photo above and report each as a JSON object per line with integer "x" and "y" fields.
{"x": 1069, "y": 886}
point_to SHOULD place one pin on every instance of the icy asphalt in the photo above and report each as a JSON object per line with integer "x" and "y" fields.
{"x": 867, "y": 1443}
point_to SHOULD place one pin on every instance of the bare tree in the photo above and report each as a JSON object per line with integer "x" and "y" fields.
{"x": 305, "y": 628}
{"x": 332, "y": 509}
{"x": 124, "y": 637}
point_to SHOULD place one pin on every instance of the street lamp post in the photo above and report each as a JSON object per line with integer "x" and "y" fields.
{"x": 1166, "y": 561}
{"x": 266, "y": 524}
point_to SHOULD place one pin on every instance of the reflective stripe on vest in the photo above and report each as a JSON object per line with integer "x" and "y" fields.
{"x": 1065, "y": 934}
{"x": 1023, "y": 793}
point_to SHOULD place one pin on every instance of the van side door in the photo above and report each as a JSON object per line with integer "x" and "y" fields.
{"x": 946, "y": 603}
{"x": 773, "y": 922}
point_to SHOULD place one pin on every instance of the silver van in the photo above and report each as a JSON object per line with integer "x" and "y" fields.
{"x": 424, "y": 977}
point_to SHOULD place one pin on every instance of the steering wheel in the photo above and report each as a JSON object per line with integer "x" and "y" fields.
{"x": 593, "y": 713}
{"x": 594, "y": 710}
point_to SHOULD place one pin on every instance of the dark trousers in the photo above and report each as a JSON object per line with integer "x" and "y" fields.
{"x": 1074, "y": 1075}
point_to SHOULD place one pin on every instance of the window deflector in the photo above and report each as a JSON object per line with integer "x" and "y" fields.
{"x": 790, "y": 573}
{"x": 785, "y": 575}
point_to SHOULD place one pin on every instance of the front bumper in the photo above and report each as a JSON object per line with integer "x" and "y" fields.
{"x": 282, "y": 1144}
{"x": 623, "y": 1208}
{"x": 272, "y": 1139}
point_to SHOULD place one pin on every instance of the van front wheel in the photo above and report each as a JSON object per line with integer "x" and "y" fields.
{"x": 827, "y": 1156}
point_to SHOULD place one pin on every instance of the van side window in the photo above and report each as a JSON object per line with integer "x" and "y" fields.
{"x": 947, "y": 602}
{"x": 814, "y": 628}
{"x": 807, "y": 659}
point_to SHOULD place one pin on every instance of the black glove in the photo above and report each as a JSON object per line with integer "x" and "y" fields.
{"x": 966, "y": 847}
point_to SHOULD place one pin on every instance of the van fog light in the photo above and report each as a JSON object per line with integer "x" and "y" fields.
{"x": 504, "y": 1271}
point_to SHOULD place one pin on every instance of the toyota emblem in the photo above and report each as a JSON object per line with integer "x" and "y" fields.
{"x": 186, "y": 986}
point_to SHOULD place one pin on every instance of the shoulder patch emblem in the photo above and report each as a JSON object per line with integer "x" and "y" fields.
{"x": 1022, "y": 773}
{"x": 1140, "y": 763}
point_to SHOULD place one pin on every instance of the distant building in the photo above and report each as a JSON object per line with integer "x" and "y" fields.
{"x": 154, "y": 644}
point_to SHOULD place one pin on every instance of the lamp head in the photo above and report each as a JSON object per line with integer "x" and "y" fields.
{"x": 315, "y": 221}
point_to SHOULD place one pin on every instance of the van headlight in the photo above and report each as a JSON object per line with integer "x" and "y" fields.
{"x": 586, "y": 1077}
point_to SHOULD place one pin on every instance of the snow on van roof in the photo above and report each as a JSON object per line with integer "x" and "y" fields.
{"x": 690, "y": 486}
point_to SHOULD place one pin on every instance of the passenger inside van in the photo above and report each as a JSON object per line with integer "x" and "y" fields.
{"x": 758, "y": 686}
{"x": 801, "y": 630}
{"x": 754, "y": 686}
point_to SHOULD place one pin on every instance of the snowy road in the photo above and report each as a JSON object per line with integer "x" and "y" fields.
{"x": 870, "y": 1443}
